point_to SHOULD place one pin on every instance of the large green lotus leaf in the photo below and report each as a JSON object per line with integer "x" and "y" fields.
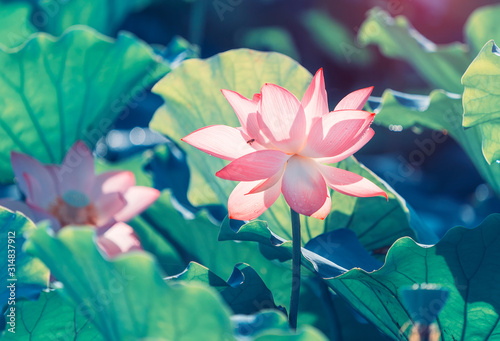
{"x": 106, "y": 16}
{"x": 333, "y": 38}
{"x": 440, "y": 111}
{"x": 441, "y": 66}
{"x": 481, "y": 93}
{"x": 330, "y": 254}
{"x": 464, "y": 261}
{"x": 244, "y": 291}
{"x": 55, "y": 91}
{"x": 16, "y": 25}
{"x": 126, "y": 298}
{"x": 29, "y": 274}
{"x": 343, "y": 252}
{"x": 482, "y": 99}
{"x": 196, "y": 239}
{"x": 482, "y": 26}
{"x": 51, "y": 318}
{"x": 120, "y": 279}
{"x": 327, "y": 257}
{"x": 491, "y": 142}
{"x": 193, "y": 100}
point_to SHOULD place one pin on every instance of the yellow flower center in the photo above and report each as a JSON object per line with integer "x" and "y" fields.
{"x": 74, "y": 208}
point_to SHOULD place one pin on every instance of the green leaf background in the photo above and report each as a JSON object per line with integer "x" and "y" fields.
{"x": 464, "y": 261}
{"x": 481, "y": 99}
{"x": 334, "y": 39}
{"x": 441, "y": 111}
{"x": 23, "y": 17}
{"x": 16, "y": 25}
{"x": 481, "y": 27}
{"x": 56, "y": 91}
{"x": 442, "y": 66}
{"x": 474, "y": 125}
{"x": 127, "y": 298}
{"x": 51, "y": 318}
{"x": 105, "y": 16}
{"x": 244, "y": 291}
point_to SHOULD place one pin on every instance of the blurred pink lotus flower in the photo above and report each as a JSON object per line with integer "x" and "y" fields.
{"x": 113, "y": 240}
{"x": 283, "y": 146}
{"x": 71, "y": 194}
{"x": 118, "y": 239}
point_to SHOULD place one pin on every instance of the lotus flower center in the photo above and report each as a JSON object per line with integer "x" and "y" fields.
{"x": 76, "y": 199}
{"x": 74, "y": 208}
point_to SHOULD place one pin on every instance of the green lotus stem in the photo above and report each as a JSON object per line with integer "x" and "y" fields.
{"x": 296, "y": 260}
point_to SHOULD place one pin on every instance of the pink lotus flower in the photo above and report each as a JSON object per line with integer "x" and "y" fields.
{"x": 118, "y": 239}
{"x": 71, "y": 194}
{"x": 283, "y": 146}
{"x": 115, "y": 240}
